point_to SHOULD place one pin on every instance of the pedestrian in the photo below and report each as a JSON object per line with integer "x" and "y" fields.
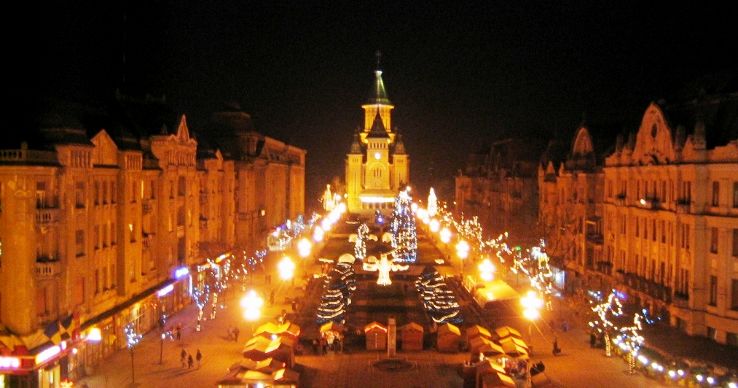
{"x": 294, "y": 305}
{"x": 236, "y": 332}
{"x": 556, "y": 349}
{"x": 198, "y": 356}
{"x": 190, "y": 361}
{"x": 271, "y": 298}
{"x": 315, "y": 346}
{"x": 183, "y": 357}
{"x": 323, "y": 345}
{"x": 179, "y": 332}
{"x": 592, "y": 339}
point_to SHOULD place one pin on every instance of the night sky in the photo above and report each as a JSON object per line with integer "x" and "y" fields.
{"x": 458, "y": 75}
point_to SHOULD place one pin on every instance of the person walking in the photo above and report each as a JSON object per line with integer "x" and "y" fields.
{"x": 190, "y": 361}
{"x": 236, "y": 332}
{"x": 556, "y": 349}
{"x": 198, "y": 357}
{"x": 183, "y": 357}
{"x": 179, "y": 332}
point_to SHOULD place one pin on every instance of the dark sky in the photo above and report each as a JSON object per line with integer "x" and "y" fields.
{"x": 459, "y": 75}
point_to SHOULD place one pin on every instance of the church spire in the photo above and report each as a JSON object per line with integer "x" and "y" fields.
{"x": 378, "y": 94}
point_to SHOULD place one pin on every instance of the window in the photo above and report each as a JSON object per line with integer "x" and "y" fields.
{"x": 653, "y": 230}
{"x": 79, "y": 292}
{"x": 42, "y": 305}
{"x": 79, "y": 195}
{"x": 97, "y": 236}
{"x": 106, "y": 191}
{"x": 735, "y": 194}
{"x": 734, "y": 294}
{"x": 731, "y": 339}
{"x": 663, "y": 231}
{"x": 637, "y": 226}
{"x": 181, "y": 186}
{"x": 713, "y": 290}
{"x": 79, "y": 240}
{"x": 711, "y": 333}
{"x": 96, "y": 192}
{"x": 133, "y": 192}
{"x": 113, "y": 236}
{"x": 686, "y": 236}
{"x": 97, "y": 281}
{"x": 715, "y": 193}
{"x": 714, "y": 240}
{"x": 735, "y": 242}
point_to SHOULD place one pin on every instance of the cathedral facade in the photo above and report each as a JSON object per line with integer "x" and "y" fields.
{"x": 377, "y": 165}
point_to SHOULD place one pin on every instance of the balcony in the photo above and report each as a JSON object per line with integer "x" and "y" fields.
{"x": 595, "y": 238}
{"x": 147, "y": 206}
{"x": 620, "y": 199}
{"x": 46, "y": 269}
{"x": 650, "y": 203}
{"x": 682, "y": 205}
{"x": 47, "y": 216}
{"x": 147, "y": 240}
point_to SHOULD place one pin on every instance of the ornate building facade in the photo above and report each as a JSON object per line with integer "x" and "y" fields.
{"x": 499, "y": 186}
{"x": 106, "y": 221}
{"x": 671, "y": 216}
{"x": 570, "y": 212}
{"x": 377, "y": 165}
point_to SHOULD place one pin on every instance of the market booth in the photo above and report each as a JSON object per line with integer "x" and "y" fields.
{"x": 480, "y": 345}
{"x": 376, "y": 336}
{"x": 411, "y": 337}
{"x": 267, "y": 365}
{"x": 507, "y": 331}
{"x": 260, "y": 348}
{"x": 270, "y": 329}
{"x": 491, "y": 374}
{"x": 478, "y": 331}
{"x": 448, "y": 339}
{"x": 282, "y": 378}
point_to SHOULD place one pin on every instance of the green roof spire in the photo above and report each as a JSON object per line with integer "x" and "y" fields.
{"x": 378, "y": 94}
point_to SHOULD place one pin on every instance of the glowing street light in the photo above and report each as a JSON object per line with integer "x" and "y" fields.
{"x": 434, "y": 225}
{"x": 303, "y": 247}
{"x": 486, "y": 270}
{"x": 251, "y": 304}
{"x": 286, "y": 268}
{"x": 318, "y": 234}
{"x": 531, "y": 306}
{"x": 445, "y": 235}
{"x": 462, "y": 249}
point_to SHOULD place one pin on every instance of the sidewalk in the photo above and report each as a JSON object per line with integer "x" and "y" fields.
{"x": 219, "y": 353}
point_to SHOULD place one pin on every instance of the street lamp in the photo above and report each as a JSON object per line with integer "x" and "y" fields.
{"x": 303, "y": 247}
{"x": 462, "y": 250}
{"x": 445, "y": 235}
{"x": 286, "y": 268}
{"x": 434, "y": 225}
{"x": 318, "y": 234}
{"x": 531, "y": 309}
{"x": 251, "y": 304}
{"x": 486, "y": 270}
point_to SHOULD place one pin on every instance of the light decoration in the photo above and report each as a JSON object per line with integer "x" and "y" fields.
{"x": 402, "y": 227}
{"x": 486, "y": 270}
{"x": 9, "y": 362}
{"x": 278, "y": 240}
{"x": 304, "y": 247}
{"x": 339, "y": 286}
{"x": 200, "y": 297}
{"x": 132, "y": 337}
{"x": 286, "y": 268}
{"x": 437, "y": 299}
{"x": 360, "y": 245}
{"x": 47, "y": 354}
{"x": 603, "y": 325}
{"x": 165, "y": 290}
{"x": 462, "y": 249}
{"x": 432, "y": 203}
{"x": 181, "y": 272}
{"x": 383, "y": 268}
{"x": 251, "y": 304}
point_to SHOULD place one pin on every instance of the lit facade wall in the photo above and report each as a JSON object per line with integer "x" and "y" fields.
{"x": 90, "y": 226}
{"x": 570, "y": 215}
{"x": 671, "y": 226}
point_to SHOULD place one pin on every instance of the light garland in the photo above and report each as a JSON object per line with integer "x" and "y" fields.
{"x": 132, "y": 337}
{"x": 360, "y": 245}
{"x": 402, "y": 227}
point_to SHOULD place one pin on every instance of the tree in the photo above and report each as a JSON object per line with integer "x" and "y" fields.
{"x": 360, "y": 246}
{"x": 402, "y": 227}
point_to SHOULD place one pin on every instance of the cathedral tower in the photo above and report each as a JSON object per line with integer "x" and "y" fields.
{"x": 377, "y": 165}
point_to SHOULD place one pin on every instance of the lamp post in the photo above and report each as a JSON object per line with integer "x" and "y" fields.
{"x": 251, "y": 304}
{"x": 532, "y": 304}
{"x": 462, "y": 250}
{"x": 132, "y": 340}
{"x": 486, "y": 270}
{"x": 304, "y": 246}
{"x": 286, "y": 268}
{"x": 445, "y": 235}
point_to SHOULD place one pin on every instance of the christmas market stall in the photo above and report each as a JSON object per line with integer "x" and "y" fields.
{"x": 448, "y": 338}
{"x": 376, "y": 336}
{"x": 411, "y": 337}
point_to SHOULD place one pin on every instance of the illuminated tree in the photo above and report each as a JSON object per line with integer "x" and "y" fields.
{"x": 402, "y": 227}
{"x": 360, "y": 246}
